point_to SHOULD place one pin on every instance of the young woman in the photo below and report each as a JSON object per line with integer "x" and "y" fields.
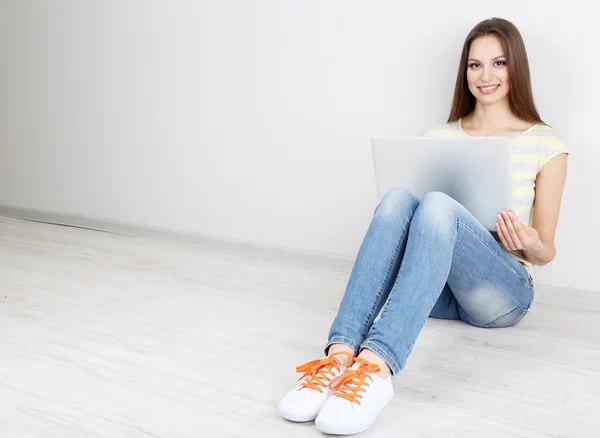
{"x": 431, "y": 257}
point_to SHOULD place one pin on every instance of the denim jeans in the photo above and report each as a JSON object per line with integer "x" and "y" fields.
{"x": 421, "y": 259}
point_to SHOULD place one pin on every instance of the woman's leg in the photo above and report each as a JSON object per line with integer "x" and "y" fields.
{"x": 446, "y": 244}
{"x": 446, "y": 306}
{"x": 448, "y": 251}
{"x": 487, "y": 297}
{"x": 370, "y": 282}
{"x": 374, "y": 272}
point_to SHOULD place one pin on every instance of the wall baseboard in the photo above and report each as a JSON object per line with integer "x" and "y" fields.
{"x": 247, "y": 248}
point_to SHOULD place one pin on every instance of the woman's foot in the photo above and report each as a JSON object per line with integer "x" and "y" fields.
{"x": 304, "y": 402}
{"x": 360, "y": 395}
{"x": 369, "y": 356}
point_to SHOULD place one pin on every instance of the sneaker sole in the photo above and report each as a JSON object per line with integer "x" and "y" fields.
{"x": 340, "y": 431}
{"x": 350, "y": 431}
{"x": 296, "y": 418}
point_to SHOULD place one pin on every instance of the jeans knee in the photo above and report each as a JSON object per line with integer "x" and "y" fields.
{"x": 396, "y": 201}
{"x": 437, "y": 208}
{"x": 438, "y": 200}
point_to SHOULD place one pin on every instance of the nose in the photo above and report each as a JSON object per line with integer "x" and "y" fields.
{"x": 486, "y": 74}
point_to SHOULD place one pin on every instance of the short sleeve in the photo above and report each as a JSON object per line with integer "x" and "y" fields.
{"x": 444, "y": 130}
{"x": 433, "y": 131}
{"x": 550, "y": 148}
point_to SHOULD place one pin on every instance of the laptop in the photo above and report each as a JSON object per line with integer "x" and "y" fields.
{"x": 475, "y": 171}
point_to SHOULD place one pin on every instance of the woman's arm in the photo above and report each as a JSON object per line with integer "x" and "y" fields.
{"x": 537, "y": 241}
{"x": 549, "y": 185}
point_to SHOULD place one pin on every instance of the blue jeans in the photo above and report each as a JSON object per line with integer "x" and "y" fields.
{"x": 421, "y": 259}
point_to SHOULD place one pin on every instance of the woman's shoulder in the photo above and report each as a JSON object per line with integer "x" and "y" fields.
{"x": 449, "y": 129}
{"x": 544, "y": 136}
{"x": 542, "y": 141}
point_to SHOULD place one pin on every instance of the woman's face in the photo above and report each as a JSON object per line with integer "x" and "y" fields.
{"x": 487, "y": 70}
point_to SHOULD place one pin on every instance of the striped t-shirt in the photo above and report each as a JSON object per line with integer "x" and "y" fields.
{"x": 532, "y": 150}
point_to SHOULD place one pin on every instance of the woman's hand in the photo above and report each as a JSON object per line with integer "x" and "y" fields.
{"x": 514, "y": 234}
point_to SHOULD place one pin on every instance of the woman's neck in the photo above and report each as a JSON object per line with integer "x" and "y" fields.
{"x": 491, "y": 118}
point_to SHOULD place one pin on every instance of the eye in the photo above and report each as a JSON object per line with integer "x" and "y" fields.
{"x": 501, "y": 63}
{"x": 474, "y": 65}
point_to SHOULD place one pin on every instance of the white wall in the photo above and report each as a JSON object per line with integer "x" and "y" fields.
{"x": 251, "y": 120}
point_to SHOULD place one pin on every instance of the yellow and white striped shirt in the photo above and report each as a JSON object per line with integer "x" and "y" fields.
{"x": 532, "y": 150}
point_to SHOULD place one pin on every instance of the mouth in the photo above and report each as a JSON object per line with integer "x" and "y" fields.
{"x": 488, "y": 89}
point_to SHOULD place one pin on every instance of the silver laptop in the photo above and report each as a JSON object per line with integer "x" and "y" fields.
{"x": 475, "y": 171}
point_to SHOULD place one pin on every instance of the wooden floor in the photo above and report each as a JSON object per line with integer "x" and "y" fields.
{"x": 103, "y": 335}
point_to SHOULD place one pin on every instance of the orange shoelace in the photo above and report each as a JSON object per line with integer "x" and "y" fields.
{"x": 319, "y": 371}
{"x": 352, "y": 382}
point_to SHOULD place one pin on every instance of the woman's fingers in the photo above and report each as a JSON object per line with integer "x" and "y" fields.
{"x": 519, "y": 228}
{"x": 501, "y": 235}
{"x": 512, "y": 232}
{"x": 504, "y": 234}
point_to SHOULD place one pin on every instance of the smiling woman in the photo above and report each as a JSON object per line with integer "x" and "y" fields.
{"x": 492, "y": 63}
{"x": 430, "y": 257}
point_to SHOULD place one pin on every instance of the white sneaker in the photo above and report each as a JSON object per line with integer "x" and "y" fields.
{"x": 359, "y": 397}
{"x": 304, "y": 402}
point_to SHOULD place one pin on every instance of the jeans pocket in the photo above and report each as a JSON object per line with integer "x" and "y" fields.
{"x": 511, "y": 318}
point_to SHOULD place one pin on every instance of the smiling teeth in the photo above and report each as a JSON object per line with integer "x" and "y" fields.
{"x": 489, "y": 87}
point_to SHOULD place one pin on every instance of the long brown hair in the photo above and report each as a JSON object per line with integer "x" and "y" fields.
{"x": 520, "y": 96}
